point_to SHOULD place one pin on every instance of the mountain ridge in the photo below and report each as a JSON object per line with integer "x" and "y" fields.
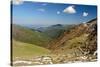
{"x": 89, "y": 30}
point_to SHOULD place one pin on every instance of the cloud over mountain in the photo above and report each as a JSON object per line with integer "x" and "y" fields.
{"x": 85, "y": 14}
{"x": 70, "y": 9}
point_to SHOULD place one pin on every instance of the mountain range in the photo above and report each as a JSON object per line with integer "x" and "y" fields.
{"x": 74, "y": 40}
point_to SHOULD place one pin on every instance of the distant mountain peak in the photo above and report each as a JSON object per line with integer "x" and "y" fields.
{"x": 57, "y": 25}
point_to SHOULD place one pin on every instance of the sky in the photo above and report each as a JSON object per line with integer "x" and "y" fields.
{"x": 35, "y": 13}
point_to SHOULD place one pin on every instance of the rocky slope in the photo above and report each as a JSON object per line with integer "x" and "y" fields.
{"x": 79, "y": 40}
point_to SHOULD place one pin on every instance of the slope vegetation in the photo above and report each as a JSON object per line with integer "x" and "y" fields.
{"x": 27, "y": 35}
{"x": 25, "y": 50}
{"x": 81, "y": 39}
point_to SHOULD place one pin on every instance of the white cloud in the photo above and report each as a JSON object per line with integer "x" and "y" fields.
{"x": 58, "y": 12}
{"x": 85, "y": 14}
{"x": 17, "y": 2}
{"x": 44, "y": 4}
{"x": 70, "y": 10}
{"x": 41, "y": 10}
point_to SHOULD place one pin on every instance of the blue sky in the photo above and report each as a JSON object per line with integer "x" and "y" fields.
{"x": 51, "y": 13}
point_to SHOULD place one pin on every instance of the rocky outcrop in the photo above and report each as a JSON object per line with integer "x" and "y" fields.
{"x": 53, "y": 59}
{"x": 82, "y": 38}
{"x": 34, "y": 61}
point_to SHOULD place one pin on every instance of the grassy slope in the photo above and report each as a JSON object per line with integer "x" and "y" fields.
{"x": 70, "y": 46}
{"x": 25, "y": 50}
{"x": 28, "y": 36}
{"x": 77, "y": 41}
{"x": 56, "y": 31}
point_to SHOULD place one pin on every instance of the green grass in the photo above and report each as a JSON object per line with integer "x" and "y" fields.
{"x": 25, "y": 50}
{"x": 76, "y": 42}
{"x": 70, "y": 46}
{"x": 27, "y": 35}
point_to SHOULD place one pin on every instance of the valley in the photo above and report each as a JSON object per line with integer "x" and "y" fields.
{"x": 54, "y": 44}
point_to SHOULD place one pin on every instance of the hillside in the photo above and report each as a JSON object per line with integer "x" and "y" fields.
{"x": 25, "y": 50}
{"x": 78, "y": 40}
{"x": 78, "y": 43}
{"x": 27, "y": 35}
{"x": 54, "y": 31}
